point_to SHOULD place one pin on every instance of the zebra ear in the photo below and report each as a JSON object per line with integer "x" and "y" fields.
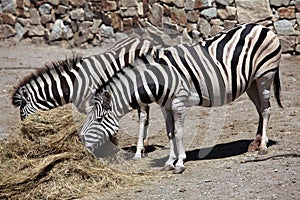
{"x": 106, "y": 96}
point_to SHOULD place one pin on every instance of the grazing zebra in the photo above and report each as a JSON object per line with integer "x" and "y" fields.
{"x": 212, "y": 73}
{"x": 73, "y": 80}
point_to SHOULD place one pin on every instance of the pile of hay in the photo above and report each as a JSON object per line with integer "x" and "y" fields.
{"x": 46, "y": 160}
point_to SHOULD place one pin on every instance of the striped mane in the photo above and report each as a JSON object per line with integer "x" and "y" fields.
{"x": 61, "y": 65}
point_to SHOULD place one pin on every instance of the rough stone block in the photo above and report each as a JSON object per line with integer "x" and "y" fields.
{"x": 8, "y": 18}
{"x": 8, "y": 6}
{"x": 284, "y": 27}
{"x": 34, "y": 16}
{"x": 128, "y": 11}
{"x": 229, "y": 23}
{"x": 222, "y": 13}
{"x": 288, "y": 43}
{"x": 178, "y": 16}
{"x": 36, "y": 31}
{"x": 155, "y": 15}
{"x": 225, "y": 2}
{"x": 53, "y": 2}
{"x": 179, "y": 3}
{"x": 45, "y": 19}
{"x": 204, "y": 27}
{"x": 109, "y": 5}
{"x": 193, "y": 16}
{"x": 279, "y": 2}
{"x": 199, "y": 4}
{"x": 215, "y": 29}
{"x": 45, "y": 9}
{"x": 77, "y": 14}
{"x": 116, "y": 21}
{"x": 253, "y": 10}
{"x": 77, "y": 3}
{"x": 61, "y": 10}
{"x": 129, "y": 3}
{"x": 209, "y": 12}
{"x": 24, "y": 22}
{"x": 287, "y": 13}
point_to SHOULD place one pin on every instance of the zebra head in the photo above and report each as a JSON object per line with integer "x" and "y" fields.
{"x": 101, "y": 124}
{"x": 24, "y": 99}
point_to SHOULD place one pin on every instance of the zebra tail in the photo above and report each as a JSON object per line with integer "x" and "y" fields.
{"x": 277, "y": 88}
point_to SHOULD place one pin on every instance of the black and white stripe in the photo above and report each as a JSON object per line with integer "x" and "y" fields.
{"x": 212, "y": 73}
{"x": 74, "y": 80}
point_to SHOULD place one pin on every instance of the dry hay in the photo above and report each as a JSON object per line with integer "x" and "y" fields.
{"x": 46, "y": 160}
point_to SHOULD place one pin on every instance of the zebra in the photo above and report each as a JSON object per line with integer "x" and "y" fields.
{"x": 211, "y": 73}
{"x": 73, "y": 80}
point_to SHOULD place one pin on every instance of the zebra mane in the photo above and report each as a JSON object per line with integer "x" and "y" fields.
{"x": 60, "y": 65}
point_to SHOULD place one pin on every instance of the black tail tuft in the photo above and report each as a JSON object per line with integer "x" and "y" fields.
{"x": 277, "y": 88}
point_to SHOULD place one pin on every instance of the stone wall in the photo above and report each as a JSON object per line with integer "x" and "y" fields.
{"x": 81, "y": 23}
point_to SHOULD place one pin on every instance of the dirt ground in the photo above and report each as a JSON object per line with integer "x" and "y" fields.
{"x": 216, "y": 140}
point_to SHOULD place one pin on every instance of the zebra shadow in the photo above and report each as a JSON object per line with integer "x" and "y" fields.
{"x": 218, "y": 151}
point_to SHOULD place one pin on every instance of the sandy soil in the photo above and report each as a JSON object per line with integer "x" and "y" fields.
{"x": 216, "y": 140}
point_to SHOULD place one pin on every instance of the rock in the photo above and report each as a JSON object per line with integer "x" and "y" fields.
{"x": 24, "y": 22}
{"x": 61, "y": 10}
{"x": 85, "y": 25}
{"x": 179, "y": 3}
{"x": 224, "y": 2}
{"x": 34, "y": 16}
{"x": 288, "y": 43}
{"x": 222, "y": 13}
{"x": 8, "y": 18}
{"x": 178, "y": 16}
{"x": 297, "y": 48}
{"x": 128, "y": 11}
{"x": 209, "y": 12}
{"x": 109, "y": 5}
{"x": 129, "y": 3}
{"x": 140, "y": 9}
{"x": 77, "y": 14}
{"x": 155, "y": 15}
{"x": 54, "y": 2}
{"x": 64, "y": 2}
{"x": 60, "y": 31}
{"x": 216, "y": 22}
{"x": 20, "y": 31}
{"x": 229, "y": 23}
{"x": 253, "y": 10}
{"x": 296, "y": 3}
{"x": 193, "y": 16}
{"x": 287, "y": 13}
{"x": 76, "y": 3}
{"x": 45, "y": 9}
{"x": 96, "y": 25}
{"x": 215, "y": 29}
{"x": 284, "y": 27}
{"x": 298, "y": 18}
{"x": 202, "y": 4}
{"x": 204, "y": 27}
{"x": 8, "y": 6}
{"x": 189, "y": 5}
{"x": 186, "y": 39}
{"x": 45, "y": 19}
{"x": 116, "y": 21}
{"x": 36, "y": 31}
{"x": 127, "y": 24}
{"x": 231, "y": 11}
{"x": 106, "y": 31}
{"x": 279, "y": 2}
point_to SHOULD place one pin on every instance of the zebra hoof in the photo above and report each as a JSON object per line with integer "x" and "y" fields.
{"x": 262, "y": 151}
{"x": 167, "y": 168}
{"x": 137, "y": 158}
{"x": 178, "y": 170}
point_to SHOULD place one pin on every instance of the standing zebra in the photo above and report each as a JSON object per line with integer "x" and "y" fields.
{"x": 73, "y": 80}
{"x": 212, "y": 73}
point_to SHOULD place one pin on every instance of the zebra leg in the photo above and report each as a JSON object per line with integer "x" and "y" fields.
{"x": 263, "y": 86}
{"x": 179, "y": 108}
{"x": 252, "y": 92}
{"x": 169, "y": 165}
{"x": 143, "y": 131}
